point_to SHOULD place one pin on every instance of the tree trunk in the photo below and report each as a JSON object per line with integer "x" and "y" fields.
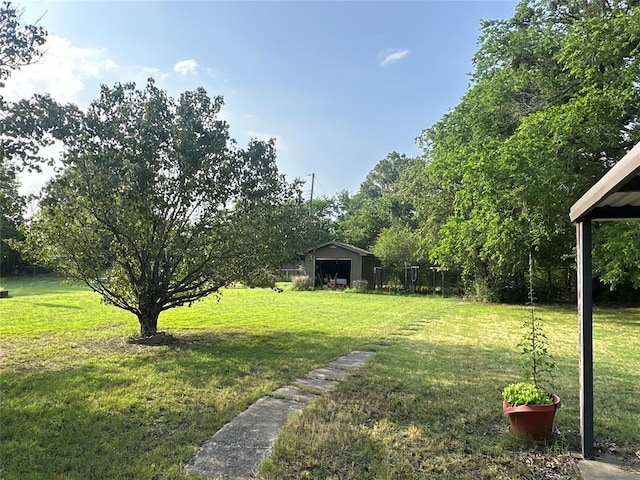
{"x": 148, "y": 323}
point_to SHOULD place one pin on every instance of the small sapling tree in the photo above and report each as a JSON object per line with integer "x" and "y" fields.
{"x": 535, "y": 360}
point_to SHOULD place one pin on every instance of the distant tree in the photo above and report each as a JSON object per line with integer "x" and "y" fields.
{"x": 378, "y": 204}
{"x": 397, "y": 246}
{"x": 386, "y": 173}
{"x": 304, "y": 228}
{"x": 19, "y": 46}
{"x": 321, "y": 222}
{"x": 616, "y": 254}
{"x": 11, "y": 208}
{"x": 156, "y": 207}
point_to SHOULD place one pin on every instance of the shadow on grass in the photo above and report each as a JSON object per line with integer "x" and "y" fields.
{"x": 136, "y": 412}
{"x": 421, "y": 410}
{"x": 425, "y": 409}
{"x": 56, "y": 305}
{"x": 620, "y": 316}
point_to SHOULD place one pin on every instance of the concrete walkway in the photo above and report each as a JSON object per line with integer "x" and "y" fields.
{"x": 236, "y": 451}
{"x": 605, "y": 467}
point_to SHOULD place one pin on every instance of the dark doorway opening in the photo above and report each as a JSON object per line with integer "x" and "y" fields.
{"x": 333, "y": 273}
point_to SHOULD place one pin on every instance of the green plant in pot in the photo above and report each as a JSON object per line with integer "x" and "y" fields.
{"x": 530, "y": 406}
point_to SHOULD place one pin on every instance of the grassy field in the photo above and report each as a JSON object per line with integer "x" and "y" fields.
{"x": 79, "y": 402}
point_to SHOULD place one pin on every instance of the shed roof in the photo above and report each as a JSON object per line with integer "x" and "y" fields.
{"x": 615, "y": 195}
{"x": 346, "y": 246}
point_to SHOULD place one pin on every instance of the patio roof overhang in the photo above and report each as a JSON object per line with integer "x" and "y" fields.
{"x": 616, "y": 196}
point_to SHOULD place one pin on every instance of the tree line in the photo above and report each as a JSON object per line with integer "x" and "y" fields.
{"x": 553, "y": 103}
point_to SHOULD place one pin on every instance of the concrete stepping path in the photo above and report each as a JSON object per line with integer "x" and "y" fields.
{"x": 236, "y": 451}
{"x": 293, "y": 393}
{"x": 317, "y": 384}
{"x": 327, "y": 373}
{"x": 605, "y": 467}
{"x": 353, "y": 361}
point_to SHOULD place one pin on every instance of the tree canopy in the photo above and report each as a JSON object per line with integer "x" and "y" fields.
{"x": 19, "y": 46}
{"x": 554, "y": 103}
{"x": 19, "y": 43}
{"x": 377, "y": 205}
{"x": 156, "y": 206}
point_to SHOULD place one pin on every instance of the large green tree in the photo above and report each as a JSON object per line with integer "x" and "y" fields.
{"x": 554, "y": 103}
{"x": 20, "y": 45}
{"x": 156, "y": 206}
{"x": 432, "y": 205}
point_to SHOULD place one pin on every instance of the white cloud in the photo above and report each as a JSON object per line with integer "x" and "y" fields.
{"x": 186, "y": 67}
{"x": 61, "y": 72}
{"x": 390, "y": 56}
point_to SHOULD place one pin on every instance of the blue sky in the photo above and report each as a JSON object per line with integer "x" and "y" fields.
{"x": 338, "y": 84}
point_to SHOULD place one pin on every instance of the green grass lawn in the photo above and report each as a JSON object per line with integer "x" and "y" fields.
{"x": 79, "y": 402}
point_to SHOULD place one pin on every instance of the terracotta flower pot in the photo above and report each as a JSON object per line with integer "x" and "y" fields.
{"x": 533, "y": 422}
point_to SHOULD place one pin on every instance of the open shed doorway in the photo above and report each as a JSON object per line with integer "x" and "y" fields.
{"x": 333, "y": 272}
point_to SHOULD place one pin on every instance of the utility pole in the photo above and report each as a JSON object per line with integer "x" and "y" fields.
{"x": 313, "y": 178}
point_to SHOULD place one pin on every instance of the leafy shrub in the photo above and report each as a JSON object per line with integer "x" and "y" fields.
{"x": 262, "y": 278}
{"x": 479, "y": 289}
{"x": 360, "y": 285}
{"x": 301, "y": 282}
{"x": 525, "y": 394}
